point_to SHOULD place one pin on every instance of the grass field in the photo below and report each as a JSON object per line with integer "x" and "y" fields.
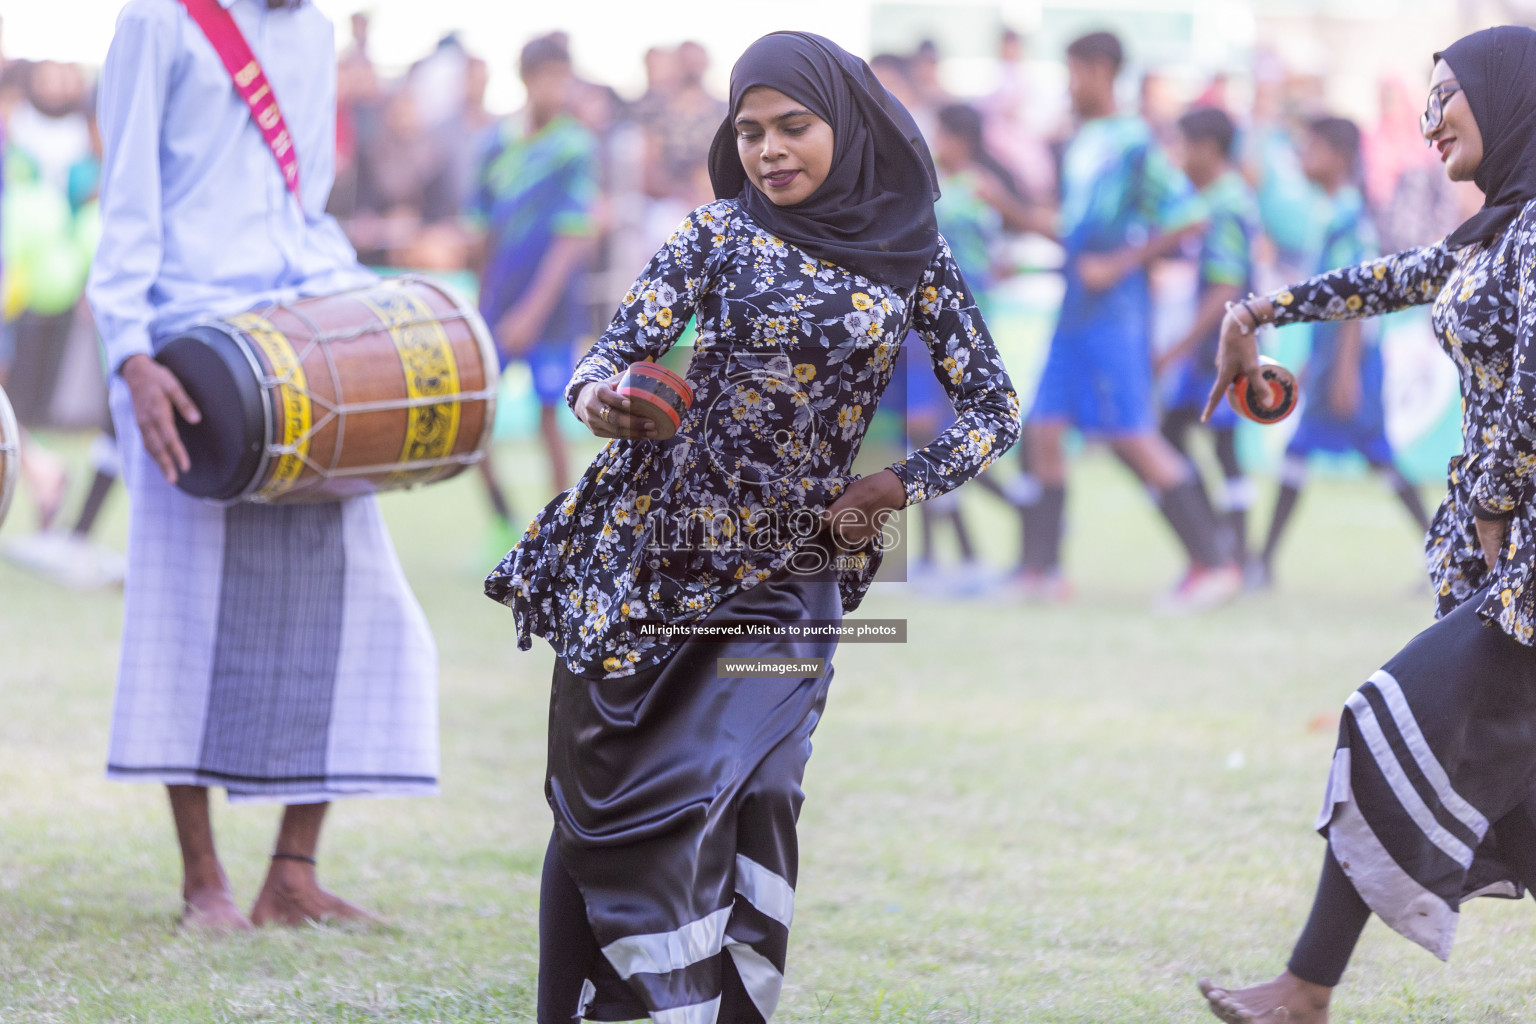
{"x": 1022, "y": 815}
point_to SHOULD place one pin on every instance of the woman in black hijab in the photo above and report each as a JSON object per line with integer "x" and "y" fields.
{"x": 874, "y": 212}
{"x": 1432, "y": 795}
{"x": 675, "y": 763}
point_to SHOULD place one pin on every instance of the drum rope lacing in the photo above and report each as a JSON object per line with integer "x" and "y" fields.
{"x": 334, "y": 410}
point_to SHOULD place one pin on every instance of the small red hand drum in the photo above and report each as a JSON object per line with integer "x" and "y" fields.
{"x": 656, "y": 394}
{"x": 1283, "y": 393}
{"x": 10, "y": 454}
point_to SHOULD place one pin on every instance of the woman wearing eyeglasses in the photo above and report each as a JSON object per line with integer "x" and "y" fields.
{"x": 1432, "y": 796}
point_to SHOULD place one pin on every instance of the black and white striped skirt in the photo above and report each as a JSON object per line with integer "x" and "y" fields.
{"x": 1435, "y": 750}
{"x": 675, "y": 794}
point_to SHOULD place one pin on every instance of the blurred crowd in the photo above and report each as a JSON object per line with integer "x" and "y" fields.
{"x": 554, "y": 208}
{"x": 414, "y": 153}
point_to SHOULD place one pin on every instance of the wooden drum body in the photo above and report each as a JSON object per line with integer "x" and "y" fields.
{"x": 334, "y": 396}
{"x": 657, "y": 394}
{"x": 10, "y": 454}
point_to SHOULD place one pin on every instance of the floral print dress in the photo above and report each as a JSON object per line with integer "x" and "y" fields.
{"x": 1484, "y": 315}
{"x": 792, "y": 358}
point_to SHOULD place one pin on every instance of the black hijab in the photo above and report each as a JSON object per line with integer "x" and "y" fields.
{"x": 1496, "y": 69}
{"x": 874, "y": 213}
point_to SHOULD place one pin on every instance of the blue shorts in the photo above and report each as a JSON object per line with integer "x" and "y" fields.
{"x": 551, "y": 363}
{"x": 1098, "y": 375}
{"x": 1190, "y": 387}
{"x": 1100, "y": 384}
{"x": 1364, "y": 432}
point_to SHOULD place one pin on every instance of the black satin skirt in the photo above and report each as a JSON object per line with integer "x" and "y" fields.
{"x": 675, "y": 794}
{"x": 1436, "y": 752}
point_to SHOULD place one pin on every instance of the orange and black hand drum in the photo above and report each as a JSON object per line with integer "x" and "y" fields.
{"x": 330, "y": 397}
{"x": 10, "y": 455}
{"x": 1283, "y": 393}
{"x": 658, "y": 395}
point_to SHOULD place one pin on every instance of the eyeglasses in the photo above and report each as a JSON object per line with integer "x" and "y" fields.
{"x": 1434, "y": 112}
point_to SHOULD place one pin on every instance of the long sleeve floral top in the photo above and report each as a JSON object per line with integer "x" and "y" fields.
{"x": 793, "y": 355}
{"x": 1484, "y": 315}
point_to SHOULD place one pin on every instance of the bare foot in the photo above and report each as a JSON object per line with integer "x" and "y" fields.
{"x": 1286, "y": 1000}
{"x": 292, "y": 896}
{"x": 212, "y": 912}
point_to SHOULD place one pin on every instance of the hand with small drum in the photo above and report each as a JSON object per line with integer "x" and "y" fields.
{"x": 651, "y": 397}
{"x": 607, "y": 413}
{"x": 1237, "y": 356}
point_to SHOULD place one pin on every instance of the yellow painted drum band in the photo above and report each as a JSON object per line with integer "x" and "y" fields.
{"x": 426, "y": 357}
{"x": 293, "y": 393}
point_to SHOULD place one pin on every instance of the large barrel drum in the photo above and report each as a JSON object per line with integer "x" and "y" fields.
{"x": 334, "y": 396}
{"x": 10, "y": 455}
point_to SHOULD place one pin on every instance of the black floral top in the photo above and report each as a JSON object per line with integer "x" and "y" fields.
{"x": 793, "y": 355}
{"x": 1484, "y": 315}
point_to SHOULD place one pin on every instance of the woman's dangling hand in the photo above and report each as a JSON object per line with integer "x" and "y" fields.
{"x": 1491, "y": 536}
{"x": 861, "y": 510}
{"x": 1237, "y": 357}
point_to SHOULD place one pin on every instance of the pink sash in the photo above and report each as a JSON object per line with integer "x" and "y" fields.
{"x": 250, "y": 82}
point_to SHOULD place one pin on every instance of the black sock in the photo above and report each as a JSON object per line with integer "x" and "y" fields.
{"x": 1334, "y": 926}
{"x": 1235, "y": 525}
{"x": 567, "y": 947}
{"x": 925, "y": 546}
{"x": 1042, "y": 530}
{"x": 1408, "y": 495}
{"x": 1189, "y": 512}
{"x": 101, "y": 486}
{"x": 1175, "y": 428}
{"x": 500, "y": 507}
{"x": 1285, "y": 504}
{"x": 962, "y": 535}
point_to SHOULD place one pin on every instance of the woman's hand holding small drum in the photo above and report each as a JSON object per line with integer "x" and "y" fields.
{"x": 157, "y": 397}
{"x": 606, "y": 412}
{"x": 1238, "y": 354}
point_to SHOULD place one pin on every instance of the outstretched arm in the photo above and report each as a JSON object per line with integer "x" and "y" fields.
{"x": 1383, "y": 285}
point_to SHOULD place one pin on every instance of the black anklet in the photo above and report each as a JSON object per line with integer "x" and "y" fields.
{"x": 295, "y": 856}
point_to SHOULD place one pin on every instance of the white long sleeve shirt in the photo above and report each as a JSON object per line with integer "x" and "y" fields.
{"x": 196, "y": 219}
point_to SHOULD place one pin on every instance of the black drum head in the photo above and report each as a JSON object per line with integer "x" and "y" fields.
{"x": 226, "y": 447}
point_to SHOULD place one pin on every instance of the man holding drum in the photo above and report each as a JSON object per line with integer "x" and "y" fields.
{"x": 275, "y": 650}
